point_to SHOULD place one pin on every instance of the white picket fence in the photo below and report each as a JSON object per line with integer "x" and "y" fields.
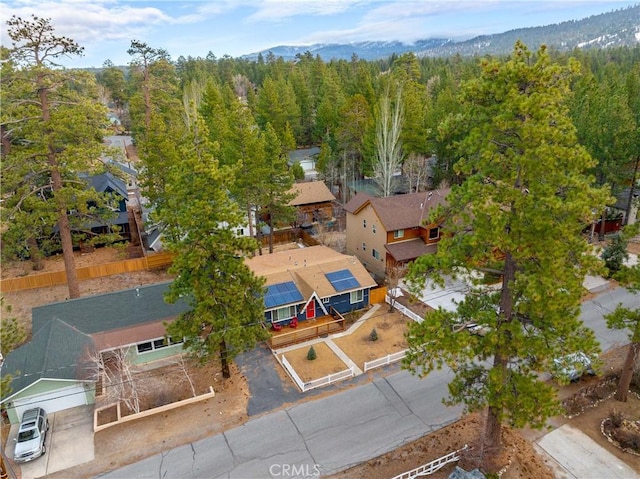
{"x": 388, "y": 359}
{"x": 316, "y": 383}
{"x": 404, "y": 310}
{"x": 433, "y": 466}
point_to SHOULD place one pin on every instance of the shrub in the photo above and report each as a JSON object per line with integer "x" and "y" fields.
{"x": 616, "y": 418}
{"x": 311, "y": 354}
{"x": 373, "y": 336}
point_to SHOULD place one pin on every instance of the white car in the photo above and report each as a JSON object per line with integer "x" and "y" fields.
{"x": 572, "y": 366}
{"x": 31, "y": 435}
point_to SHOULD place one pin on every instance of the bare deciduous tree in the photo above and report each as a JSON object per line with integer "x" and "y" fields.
{"x": 388, "y": 145}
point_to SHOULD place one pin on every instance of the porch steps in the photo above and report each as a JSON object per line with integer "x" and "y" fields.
{"x": 346, "y": 359}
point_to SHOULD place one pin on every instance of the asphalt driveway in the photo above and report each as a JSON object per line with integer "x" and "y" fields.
{"x": 69, "y": 442}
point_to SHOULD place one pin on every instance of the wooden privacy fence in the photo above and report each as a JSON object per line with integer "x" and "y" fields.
{"x": 55, "y": 278}
{"x": 377, "y": 295}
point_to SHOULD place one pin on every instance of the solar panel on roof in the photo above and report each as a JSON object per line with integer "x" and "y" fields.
{"x": 281, "y": 293}
{"x": 342, "y": 280}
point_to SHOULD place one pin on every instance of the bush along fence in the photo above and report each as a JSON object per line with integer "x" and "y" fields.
{"x": 316, "y": 383}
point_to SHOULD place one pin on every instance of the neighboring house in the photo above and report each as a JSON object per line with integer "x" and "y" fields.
{"x": 622, "y": 204}
{"x": 313, "y": 202}
{"x": 383, "y": 232}
{"x": 108, "y": 183}
{"x": 306, "y": 283}
{"x": 55, "y": 370}
{"x": 307, "y": 158}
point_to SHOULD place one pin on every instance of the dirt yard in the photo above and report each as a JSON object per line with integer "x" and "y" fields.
{"x": 326, "y": 362}
{"x": 390, "y": 329}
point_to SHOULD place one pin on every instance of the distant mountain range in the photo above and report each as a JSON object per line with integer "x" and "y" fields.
{"x": 613, "y": 29}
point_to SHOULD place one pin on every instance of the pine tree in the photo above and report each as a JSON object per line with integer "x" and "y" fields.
{"x": 211, "y": 275}
{"x": 52, "y": 126}
{"x": 520, "y": 211}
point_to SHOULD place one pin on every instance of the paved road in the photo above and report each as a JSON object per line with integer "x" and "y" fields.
{"x": 332, "y": 433}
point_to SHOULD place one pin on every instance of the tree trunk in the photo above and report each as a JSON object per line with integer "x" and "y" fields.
{"x": 631, "y": 191}
{"x": 56, "y": 185}
{"x": 270, "y": 234}
{"x": 627, "y": 372}
{"x": 35, "y": 254}
{"x": 224, "y": 361}
{"x": 603, "y": 224}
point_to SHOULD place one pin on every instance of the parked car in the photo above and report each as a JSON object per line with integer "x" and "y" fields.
{"x": 572, "y": 366}
{"x": 31, "y": 435}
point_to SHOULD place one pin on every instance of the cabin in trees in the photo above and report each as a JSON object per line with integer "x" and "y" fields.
{"x": 309, "y": 283}
{"x": 391, "y": 231}
{"x": 313, "y": 202}
{"x": 56, "y": 370}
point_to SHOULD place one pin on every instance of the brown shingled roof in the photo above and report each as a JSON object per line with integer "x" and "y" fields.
{"x": 409, "y": 250}
{"x": 401, "y": 211}
{"x": 310, "y": 192}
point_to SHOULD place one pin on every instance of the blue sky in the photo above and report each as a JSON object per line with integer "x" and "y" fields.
{"x": 105, "y": 28}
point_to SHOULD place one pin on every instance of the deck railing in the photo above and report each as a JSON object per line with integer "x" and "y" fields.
{"x": 301, "y": 334}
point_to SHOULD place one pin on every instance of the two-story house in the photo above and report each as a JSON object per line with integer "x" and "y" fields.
{"x": 383, "y": 232}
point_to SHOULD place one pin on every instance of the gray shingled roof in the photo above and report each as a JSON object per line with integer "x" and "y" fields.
{"x": 106, "y": 312}
{"x": 56, "y": 351}
{"x": 62, "y": 331}
{"x": 106, "y": 181}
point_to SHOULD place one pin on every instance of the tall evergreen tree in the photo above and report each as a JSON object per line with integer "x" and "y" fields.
{"x": 201, "y": 218}
{"x": 520, "y": 211}
{"x": 53, "y": 125}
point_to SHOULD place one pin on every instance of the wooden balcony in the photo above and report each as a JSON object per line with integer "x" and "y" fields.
{"x": 307, "y": 330}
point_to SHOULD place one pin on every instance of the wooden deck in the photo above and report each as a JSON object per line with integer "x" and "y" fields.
{"x": 307, "y": 330}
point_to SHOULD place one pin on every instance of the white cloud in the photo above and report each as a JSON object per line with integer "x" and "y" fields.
{"x": 275, "y": 10}
{"x": 91, "y": 22}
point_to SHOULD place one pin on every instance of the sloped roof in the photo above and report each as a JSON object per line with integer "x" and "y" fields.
{"x": 56, "y": 350}
{"x": 106, "y": 182}
{"x": 401, "y": 211}
{"x": 310, "y": 192}
{"x": 411, "y": 249}
{"x": 105, "y": 312}
{"x": 307, "y": 268}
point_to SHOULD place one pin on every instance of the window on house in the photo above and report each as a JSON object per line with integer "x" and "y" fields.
{"x": 240, "y": 232}
{"x": 398, "y": 234}
{"x": 364, "y": 246}
{"x": 154, "y": 344}
{"x": 373, "y": 229}
{"x": 326, "y": 300}
{"x": 287, "y": 312}
{"x": 375, "y": 254}
{"x": 357, "y": 296}
{"x": 364, "y": 223}
{"x": 434, "y": 233}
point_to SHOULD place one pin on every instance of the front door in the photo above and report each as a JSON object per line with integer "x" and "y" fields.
{"x": 311, "y": 310}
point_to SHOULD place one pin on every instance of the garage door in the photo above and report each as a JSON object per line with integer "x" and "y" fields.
{"x": 63, "y": 398}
